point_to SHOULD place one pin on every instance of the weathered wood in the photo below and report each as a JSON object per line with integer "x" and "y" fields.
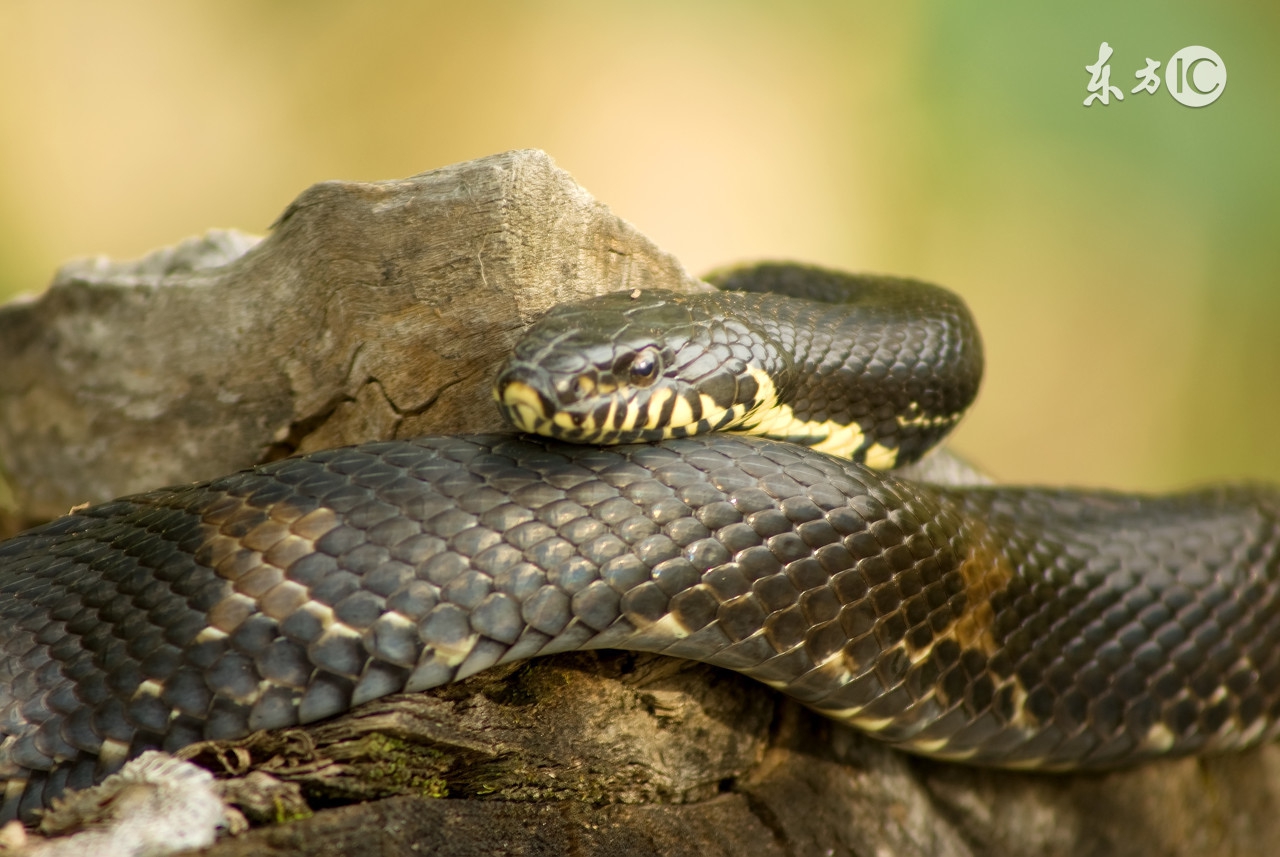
{"x": 379, "y": 310}
{"x": 371, "y": 311}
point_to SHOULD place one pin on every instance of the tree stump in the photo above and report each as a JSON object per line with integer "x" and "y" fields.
{"x": 377, "y": 311}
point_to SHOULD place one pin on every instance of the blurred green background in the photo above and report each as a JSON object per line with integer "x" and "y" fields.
{"x": 1123, "y": 261}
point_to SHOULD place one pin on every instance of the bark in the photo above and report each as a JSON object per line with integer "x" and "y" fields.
{"x": 379, "y": 311}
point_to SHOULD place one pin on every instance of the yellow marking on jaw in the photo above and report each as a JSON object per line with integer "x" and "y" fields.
{"x": 735, "y": 414}
{"x": 524, "y": 406}
{"x": 584, "y": 386}
{"x": 712, "y": 414}
{"x": 608, "y": 417}
{"x": 656, "y": 400}
{"x": 525, "y": 418}
{"x": 633, "y": 412}
{"x": 517, "y": 393}
{"x": 681, "y": 412}
{"x": 768, "y": 417}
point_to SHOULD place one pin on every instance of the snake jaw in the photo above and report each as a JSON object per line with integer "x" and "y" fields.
{"x": 612, "y": 414}
{"x": 586, "y": 403}
{"x": 522, "y": 405}
{"x": 532, "y": 404}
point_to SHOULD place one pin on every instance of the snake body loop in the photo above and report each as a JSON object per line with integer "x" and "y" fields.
{"x": 999, "y": 626}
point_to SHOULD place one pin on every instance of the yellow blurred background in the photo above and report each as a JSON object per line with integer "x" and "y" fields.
{"x": 1122, "y": 260}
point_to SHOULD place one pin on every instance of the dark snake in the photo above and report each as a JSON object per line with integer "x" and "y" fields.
{"x": 1014, "y": 627}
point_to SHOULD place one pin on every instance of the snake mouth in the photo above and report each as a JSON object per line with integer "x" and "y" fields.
{"x": 524, "y": 406}
{"x": 529, "y": 406}
{"x": 532, "y": 411}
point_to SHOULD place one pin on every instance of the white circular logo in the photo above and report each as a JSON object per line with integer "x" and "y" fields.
{"x": 1195, "y": 76}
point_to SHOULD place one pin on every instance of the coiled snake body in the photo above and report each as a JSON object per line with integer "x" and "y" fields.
{"x": 999, "y": 626}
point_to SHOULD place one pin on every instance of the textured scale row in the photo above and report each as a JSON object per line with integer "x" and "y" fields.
{"x": 1001, "y": 626}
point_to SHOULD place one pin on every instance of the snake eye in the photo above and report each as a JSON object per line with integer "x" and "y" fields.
{"x": 645, "y": 367}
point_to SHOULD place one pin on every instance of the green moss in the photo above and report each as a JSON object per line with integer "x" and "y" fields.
{"x": 286, "y": 814}
{"x": 402, "y": 766}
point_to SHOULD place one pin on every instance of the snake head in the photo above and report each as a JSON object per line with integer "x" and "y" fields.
{"x": 628, "y": 367}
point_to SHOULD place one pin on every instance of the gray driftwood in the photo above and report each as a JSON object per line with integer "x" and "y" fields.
{"x": 378, "y": 311}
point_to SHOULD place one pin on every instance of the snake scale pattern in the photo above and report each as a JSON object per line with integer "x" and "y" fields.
{"x": 1015, "y": 627}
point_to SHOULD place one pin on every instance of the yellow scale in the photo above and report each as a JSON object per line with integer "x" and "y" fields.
{"x": 766, "y": 417}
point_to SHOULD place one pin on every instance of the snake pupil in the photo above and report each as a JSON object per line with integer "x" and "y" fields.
{"x": 644, "y": 369}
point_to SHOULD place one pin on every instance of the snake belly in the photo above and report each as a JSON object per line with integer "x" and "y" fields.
{"x": 1011, "y": 627}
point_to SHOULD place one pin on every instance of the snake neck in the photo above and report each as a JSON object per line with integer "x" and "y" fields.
{"x": 879, "y": 369}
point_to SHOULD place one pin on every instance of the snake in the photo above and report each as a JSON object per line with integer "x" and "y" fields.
{"x": 1014, "y": 627}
